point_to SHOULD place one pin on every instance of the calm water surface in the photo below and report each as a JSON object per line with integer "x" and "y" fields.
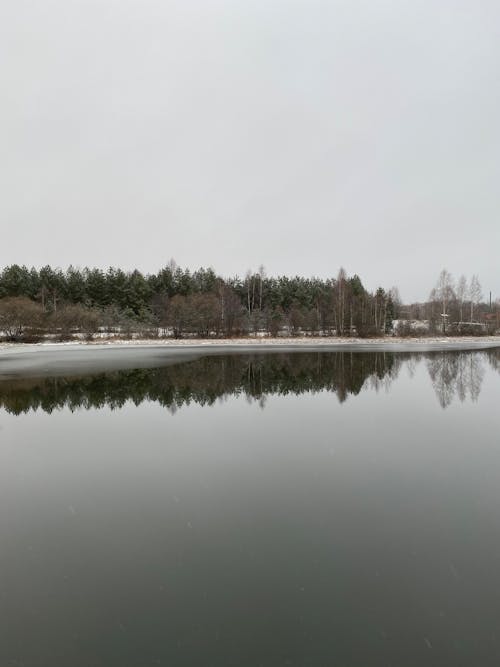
{"x": 326, "y": 509}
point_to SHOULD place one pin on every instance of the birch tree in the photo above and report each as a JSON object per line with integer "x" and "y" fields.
{"x": 340, "y": 309}
{"x": 262, "y": 275}
{"x": 475, "y": 294}
{"x": 444, "y": 293}
{"x": 462, "y": 291}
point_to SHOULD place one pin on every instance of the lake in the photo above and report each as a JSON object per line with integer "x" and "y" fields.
{"x": 316, "y": 508}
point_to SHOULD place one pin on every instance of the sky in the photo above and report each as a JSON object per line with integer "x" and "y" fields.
{"x": 302, "y": 135}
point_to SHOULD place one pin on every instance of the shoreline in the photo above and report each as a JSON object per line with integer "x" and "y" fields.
{"x": 257, "y": 341}
{"x": 100, "y": 356}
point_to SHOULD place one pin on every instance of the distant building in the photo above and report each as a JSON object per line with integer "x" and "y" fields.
{"x": 410, "y": 326}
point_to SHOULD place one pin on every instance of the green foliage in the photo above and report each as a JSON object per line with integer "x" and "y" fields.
{"x": 201, "y": 302}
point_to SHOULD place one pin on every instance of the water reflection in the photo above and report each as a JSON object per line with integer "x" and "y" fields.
{"x": 456, "y": 375}
{"x": 206, "y": 380}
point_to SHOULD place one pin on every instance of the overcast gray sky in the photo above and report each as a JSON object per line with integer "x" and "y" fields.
{"x": 303, "y": 135}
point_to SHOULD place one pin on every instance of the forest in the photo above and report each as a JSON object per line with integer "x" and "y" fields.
{"x": 178, "y": 303}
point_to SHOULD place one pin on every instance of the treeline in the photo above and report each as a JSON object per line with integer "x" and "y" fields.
{"x": 178, "y": 302}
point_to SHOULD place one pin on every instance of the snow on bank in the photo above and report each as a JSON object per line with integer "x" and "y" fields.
{"x": 444, "y": 342}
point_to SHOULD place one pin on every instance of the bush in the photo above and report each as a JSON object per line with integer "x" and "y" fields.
{"x": 74, "y": 318}
{"x": 403, "y": 329}
{"x": 18, "y": 315}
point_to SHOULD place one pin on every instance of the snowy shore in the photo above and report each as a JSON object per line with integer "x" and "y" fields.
{"x": 446, "y": 341}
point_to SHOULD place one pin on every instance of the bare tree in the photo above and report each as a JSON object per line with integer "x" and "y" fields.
{"x": 232, "y": 311}
{"x": 339, "y": 293}
{"x": 475, "y": 294}
{"x": 18, "y": 314}
{"x": 262, "y": 275}
{"x": 462, "y": 291}
{"x": 444, "y": 294}
{"x": 250, "y": 290}
{"x": 395, "y": 297}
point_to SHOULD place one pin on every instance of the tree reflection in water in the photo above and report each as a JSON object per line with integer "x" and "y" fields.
{"x": 460, "y": 374}
{"x": 206, "y": 380}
